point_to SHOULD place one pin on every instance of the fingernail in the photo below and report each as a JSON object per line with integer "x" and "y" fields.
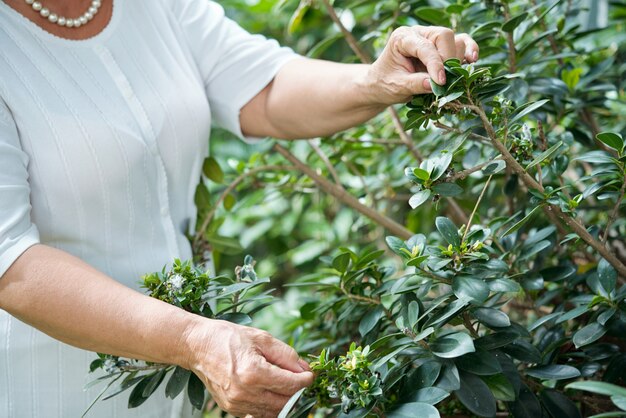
{"x": 475, "y": 56}
{"x": 442, "y": 77}
{"x": 426, "y": 85}
{"x": 304, "y": 365}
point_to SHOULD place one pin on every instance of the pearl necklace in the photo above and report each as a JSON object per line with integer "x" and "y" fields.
{"x": 64, "y": 21}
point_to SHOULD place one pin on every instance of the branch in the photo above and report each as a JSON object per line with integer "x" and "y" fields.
{"x": 342, "y": 195}
{"x": 530, "y": 182}
{"x": 460, "y": 175}
{"x": 325, "y": 159}
{"x": 228, "y": 190}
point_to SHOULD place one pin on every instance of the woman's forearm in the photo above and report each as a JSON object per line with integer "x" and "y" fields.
{"x": 310, "y": 98}
{"x": 72, "y": 302}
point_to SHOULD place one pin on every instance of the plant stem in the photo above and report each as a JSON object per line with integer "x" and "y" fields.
{"x": 325, "y": 159}
{"x": 530, "y": 182}
{"x": 342, "y": 195}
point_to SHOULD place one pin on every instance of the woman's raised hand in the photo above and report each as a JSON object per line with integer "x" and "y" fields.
{"x": 246, "y": 370}
{"x": 413, "y": 56}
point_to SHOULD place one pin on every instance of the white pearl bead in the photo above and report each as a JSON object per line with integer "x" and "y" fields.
{"x": 53, "y": 18}
{"x": 30, "y": 1}
{"x": 92, "y": 10}
{"x": 69, "y": 23}
{"x": 77, "y": 23}
{"x": 88, "y": 15}
{"x": 36, "y": 6}
{"x": 61, "y": 21}
{"x": 44, "y": 12}
{"x": 82, "y": 20}
{"x": 96, "y": 3}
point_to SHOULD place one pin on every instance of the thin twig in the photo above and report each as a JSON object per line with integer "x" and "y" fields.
{"x": 373, "y": 141}
{"x": 460, "y": 175}
{"x": 325, "y": 159}
{"x": 342, "y": 195}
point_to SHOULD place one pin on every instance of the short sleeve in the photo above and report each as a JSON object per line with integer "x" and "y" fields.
{"x": 17, "y": 233}
{"x": 234, "y": 64}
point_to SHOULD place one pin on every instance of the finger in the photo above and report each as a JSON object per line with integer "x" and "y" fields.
{"x": 418, "y": 83}
{"x": 423, "y": 49}
{"x": 443, "y": 38}
{"x": 271, "y": 404}
{"x": 468, "y": 47}
{"x": 281, "y": 354}
{"x": 282, "y": 382}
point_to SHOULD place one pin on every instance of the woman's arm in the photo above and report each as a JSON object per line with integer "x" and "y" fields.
{"x": 70, "y": 301}
{"x": 310, "y": 98}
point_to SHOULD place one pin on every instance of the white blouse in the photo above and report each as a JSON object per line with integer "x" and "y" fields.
{"x": 101, "y": 147}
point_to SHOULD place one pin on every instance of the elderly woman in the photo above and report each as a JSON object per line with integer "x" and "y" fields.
{"x": 105, "y": 111}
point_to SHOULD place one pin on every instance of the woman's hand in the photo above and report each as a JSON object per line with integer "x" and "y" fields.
{"x": 413, "y": 56}
{"x": 246, "y": 370}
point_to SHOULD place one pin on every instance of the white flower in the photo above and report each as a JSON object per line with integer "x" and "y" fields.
{"x": 176, "y": 283}
{"x": 110, "y": 365}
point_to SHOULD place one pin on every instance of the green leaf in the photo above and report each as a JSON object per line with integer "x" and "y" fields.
{"x": 476, "y": 396}
{"x": 426, "y": 375}
{"x": 559, "y": 405}
{"x": 430, "y": 395}
{"x": 448, "y": 231}
{"x": 491, "y": 317}
{"x": 284, "y": 413}
{"x": 476, "y": 290}
{"x": 212, "y": 170}
{"x": 553, "y": 372}
{"x": 619, "y": 401}
{"x": 448, "y": 189}
{"x": 601, "y": 388}
{"x": 433, "y": 15}
{"x": 418, "y": 198}
{"x": 413, "y": 311}
{"x": 525, "y": 109}
{"x": 369, "y": 321}
{"x": 612, "y": 139}
{"x": 481, "y": 363}
{"x": 414, "y": 410}
{"x": 421, "y": 174}
{"x": 195, "y": 391}
{"x": 229, "y": 201}
{"x": 452, "y": 345}
{"x": 588, "y": 334}
{"x": 341, "y": 262}
{"x": 496, "y": 340}
{"x": 526, "y": 405}
{"x": 607, "y": 275}
{"x": 545, "y": 155}
{"x": 510, "y": 25}
{"x": 177, "y": 382}
{"x": 522, "y": 221}
{"x": 438, "y": 90}
{"x": 500, "y": 387}
{"x": 153, "y": 383}
{"x": 136, "y": 397}
{"x": 494, "y": 167}
{"x": 396, "y": 244}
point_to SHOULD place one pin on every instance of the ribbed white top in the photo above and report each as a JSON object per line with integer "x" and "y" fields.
{"x": 101, "y": 147}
